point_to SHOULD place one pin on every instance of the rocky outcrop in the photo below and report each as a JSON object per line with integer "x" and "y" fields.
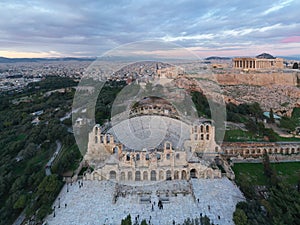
{"x": 259, "y": 79}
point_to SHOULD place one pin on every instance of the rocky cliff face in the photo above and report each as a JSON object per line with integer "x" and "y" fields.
{"x": 259, "y": 79}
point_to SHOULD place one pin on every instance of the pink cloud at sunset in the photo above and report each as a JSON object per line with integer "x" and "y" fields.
{"x": 292, "y": 39}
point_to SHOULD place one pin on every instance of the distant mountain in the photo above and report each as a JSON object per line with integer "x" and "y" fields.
{"x": 15, "y": 60}
{"x": 265, "y": 56}
{"x": 217, "y": 58}
{"x": 291, "y": 57}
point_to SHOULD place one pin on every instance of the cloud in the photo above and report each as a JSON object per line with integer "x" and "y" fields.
{"x": 277, "y": 6}
{"x": 292, "y": 39}
{"x": 90, "y": 28}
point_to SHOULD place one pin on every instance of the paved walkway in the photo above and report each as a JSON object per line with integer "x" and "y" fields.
{"x": 93, "y": 202}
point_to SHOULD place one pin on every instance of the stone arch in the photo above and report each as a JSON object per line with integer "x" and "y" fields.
{"x": 287, "y": 150}
{"x": 168, "y": 156}
{"x": 195, "y": 129}
{"x": 115, "y": 150}
{"x": 147, "y": 157}
{"x": 202, "y": 137}
{"x": 183, "y": 175}
{"x": 138, "y": 157}
{"x": 145, "y": 175}
{"x": 176, "y": 175}
{"x": 137, "y": 175}
{"x": 112, "y": 175}
{"x": 129, "y": 176}
{"x": 122, "y": 176}
{"x": 168, "y": 175}
{"x": 193, "y": 173}
{"x": 153, "y": 175}
{"x": 201, "y": 128}
{"x": 161, "y": 175}
{"x": 216, "y": 149}
{"x": 168, "y": 145}
{"x": 207, "y": 128}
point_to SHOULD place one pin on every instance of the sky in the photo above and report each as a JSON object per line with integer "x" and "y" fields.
{"x": 86, "y": 28}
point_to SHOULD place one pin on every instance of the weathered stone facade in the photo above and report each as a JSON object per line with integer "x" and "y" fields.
{"x": 111, "y": 160}
{"x": 255, "y": 150}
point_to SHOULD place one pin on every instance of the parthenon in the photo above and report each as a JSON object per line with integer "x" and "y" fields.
{"x": 257, "y": 63}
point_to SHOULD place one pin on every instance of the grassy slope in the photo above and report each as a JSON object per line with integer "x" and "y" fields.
{"x": 288, "y": 171}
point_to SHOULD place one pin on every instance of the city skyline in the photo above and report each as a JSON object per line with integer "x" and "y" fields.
{"x": 88, "y": 29}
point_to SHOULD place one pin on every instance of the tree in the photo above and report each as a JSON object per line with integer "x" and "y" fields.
{"x": 239, "y": 217}
{"x": 21, "y": 202}
{"x": 126, "y": 221}
{"x": 272, "y": 120}
{"x": 144, "y": 222}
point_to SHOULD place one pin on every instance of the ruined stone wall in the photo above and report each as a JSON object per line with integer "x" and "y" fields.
{"x": 260, "y": 79}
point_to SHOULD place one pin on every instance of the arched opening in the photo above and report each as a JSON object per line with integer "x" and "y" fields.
{"x": 202, "y": 137}
{"x": 145, "y": 175}
{"x": 96, "y": 139}
{"x": 161, "y": 175}
{"x": 137, "y": 175}
{"x": 129, "y": 175}
{"x": 168, "y": 146}
{"x": 115, "y": 150}
{"x": 128, "y": 157}
{"x": 112, "y": 175}
{"x": 207, "y": 128}
{"x": 176, "y": 175}
{"x": 193, "y": 173}
{"x": 96, "y": 130}
{"x": 177, "y": 156}
{"x": 138, "y": 157}
{"x": 122, "y": 177}
{"x": 201, "y": 128}
{"x": 108, "y": 138}
{"x": 168, "y": 175}
{"x": 183, "y": 175}
{"x": 153, "y": 175}
{"x": 168, "y": 156}
{"x": 195, "y": 129}
{"x": 216, "y": 149}
{"x": 207, "y": 137}
{"x": 147, "y": 157}
{"x": 158, "y": 156}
